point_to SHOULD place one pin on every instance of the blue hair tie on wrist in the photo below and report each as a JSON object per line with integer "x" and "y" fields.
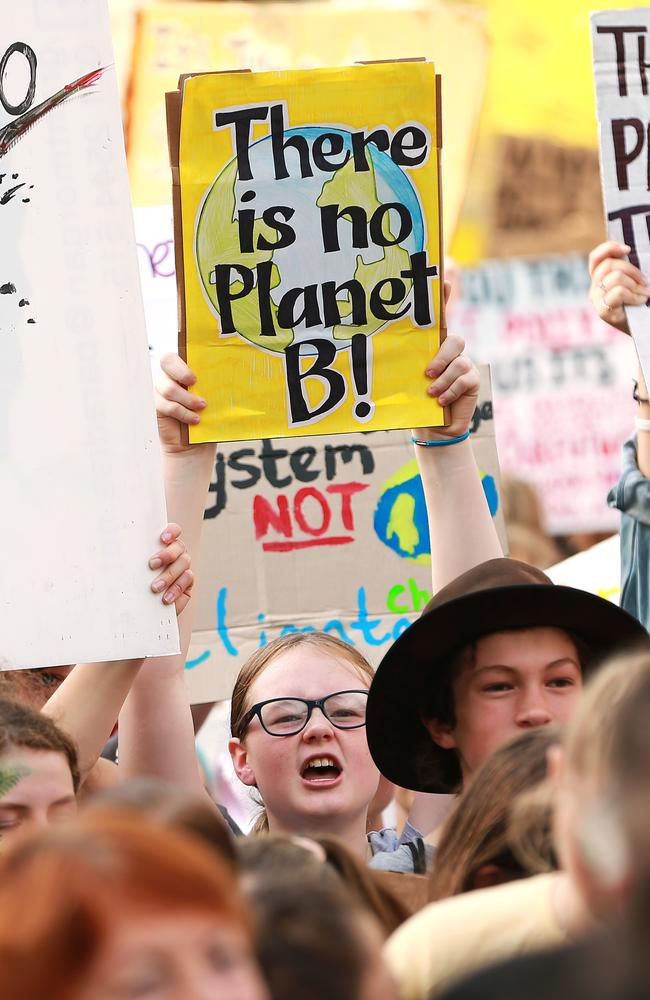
{"x": 442, "y": 443}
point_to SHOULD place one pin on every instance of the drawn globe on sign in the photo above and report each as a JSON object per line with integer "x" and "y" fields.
{"x": 217, "y": 238}
{"x": 400, "y": 520}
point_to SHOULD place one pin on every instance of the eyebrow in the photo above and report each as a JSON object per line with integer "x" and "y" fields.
{"x": 513, "y": 670}
{"x": 17, "y": 807}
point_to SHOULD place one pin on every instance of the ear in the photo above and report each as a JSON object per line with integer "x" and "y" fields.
{"x": 240, "y": 762}
{"x": 441, "y": 733}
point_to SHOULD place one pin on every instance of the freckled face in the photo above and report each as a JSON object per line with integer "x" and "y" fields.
{"x": 293, "y": 792}
{"x": 43, "y": 794}
{"x": 519, "y": 680}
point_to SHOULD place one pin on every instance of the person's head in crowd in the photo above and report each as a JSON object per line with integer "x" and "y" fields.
{"x": 498, "y": 651}
{"x": 532, "y": 547}
{"x": 315, "y": 943}
{"x": 589, "y": 782}
{"x": 32, "y": 687}
{"x": 113, "y": 907}
{"x": 283, "y": 858}
{"x": 39, "y": 774}
{"x": 521, "y": 504}
{"x": 173, "y": 807}
{"x": 322, "y": 860}
{"x": 474, "y": 850}
{"x": 367, "y": 887}
{"x": 298, "y": 735}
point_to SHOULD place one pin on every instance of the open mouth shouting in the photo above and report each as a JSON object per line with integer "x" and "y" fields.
{"x": 321, "y": 771}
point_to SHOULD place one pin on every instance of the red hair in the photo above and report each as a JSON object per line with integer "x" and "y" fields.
{"x": 62, "y": 889}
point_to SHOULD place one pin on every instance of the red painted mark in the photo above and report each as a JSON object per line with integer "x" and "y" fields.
{"x": 306, "y": 493}
{"x": 346, "y": 491}
{"x": 264, "y": 517}
{"x": 18, "y": 128}
{"x": 305, "y": 543}
{"x": 310, "y": 512}
{"x": 85, "y": 81}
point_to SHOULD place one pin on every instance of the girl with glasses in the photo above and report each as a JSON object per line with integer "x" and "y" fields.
{"x": 298, "y": 706}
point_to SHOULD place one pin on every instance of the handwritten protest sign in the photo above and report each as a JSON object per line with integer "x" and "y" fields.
{"x": 81, "y": 501}
{"x": 621, "y": 50}
{"x": 547, "y": 200}
{"x": 311, "y": 284}
{"x": 317, "y": 534}
{"x": 561, "y": 380}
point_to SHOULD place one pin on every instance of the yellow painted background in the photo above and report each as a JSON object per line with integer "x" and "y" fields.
{"x": 181, "y": 37}
{"x": 231, "y": 368}
{"x": 527, "y": 65}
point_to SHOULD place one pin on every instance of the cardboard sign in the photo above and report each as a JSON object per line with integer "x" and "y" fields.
{"x": 316, "y": 534}
{"x": 174, "y": 38}
{"x": 561, "y": 379}
{"x": 547, "y": 199}
{"x": 621, "y": 48}
{"x": 311, "y": 291}
{"x": 81, "y": 499}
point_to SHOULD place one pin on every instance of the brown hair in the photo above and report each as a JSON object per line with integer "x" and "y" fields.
{"x": 476, "y": 834}
{"x": 364, "y": 885}
{"x": 310, "y": 940}
{"x": 172, "y": 807}
{"x": 63, "y": 889}
{"x": 22, "y": 726}
{"x": 259, "y": 661}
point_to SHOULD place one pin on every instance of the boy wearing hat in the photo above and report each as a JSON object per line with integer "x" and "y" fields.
{"x": 500, "y": 648}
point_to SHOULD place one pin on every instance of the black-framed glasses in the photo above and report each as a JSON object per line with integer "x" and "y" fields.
{"x": 288, "y": 716}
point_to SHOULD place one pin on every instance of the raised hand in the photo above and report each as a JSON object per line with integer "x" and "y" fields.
{"x": 455, "y": 384}
{"x": 177, "y": 579}
{"x": 615, "y": 283}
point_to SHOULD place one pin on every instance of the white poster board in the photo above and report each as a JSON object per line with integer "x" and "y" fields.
{"x": 596, "y": 570}
{"x": 621, "y": 50}
{"x": 81, "y": 499}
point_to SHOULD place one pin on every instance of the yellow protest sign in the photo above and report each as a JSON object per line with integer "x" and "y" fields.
{"x": 310, "y": 278}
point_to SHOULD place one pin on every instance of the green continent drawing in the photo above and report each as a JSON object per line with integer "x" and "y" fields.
{"x": 304, "y": 265}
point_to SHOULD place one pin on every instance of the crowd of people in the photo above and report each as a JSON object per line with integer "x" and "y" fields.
{"x": 515, "y": 711}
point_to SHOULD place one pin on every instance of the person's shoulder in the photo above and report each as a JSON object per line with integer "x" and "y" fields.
{"x": 448, "y": 939}
{"x": 473, "y": 905}
{"x": 559, "y": 973}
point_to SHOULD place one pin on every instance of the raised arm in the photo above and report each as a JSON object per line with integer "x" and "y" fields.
{"x": 88, "y": 702}
{"x": 615, "y": 283}
{"x": 156, "y": 729}
{"x": 460, "y": 524}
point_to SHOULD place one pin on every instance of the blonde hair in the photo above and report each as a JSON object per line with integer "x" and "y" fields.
{"x": 590, "y": 736}
{"x": 589, "y": 746}
{"x": 257, "y": 663}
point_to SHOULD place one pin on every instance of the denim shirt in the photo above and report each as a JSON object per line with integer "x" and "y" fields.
{"x": 407, "y": 853}
{"x": 631, "y": 496}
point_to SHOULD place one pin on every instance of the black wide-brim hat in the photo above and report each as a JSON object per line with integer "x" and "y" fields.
{"x": 496, "y": 596}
